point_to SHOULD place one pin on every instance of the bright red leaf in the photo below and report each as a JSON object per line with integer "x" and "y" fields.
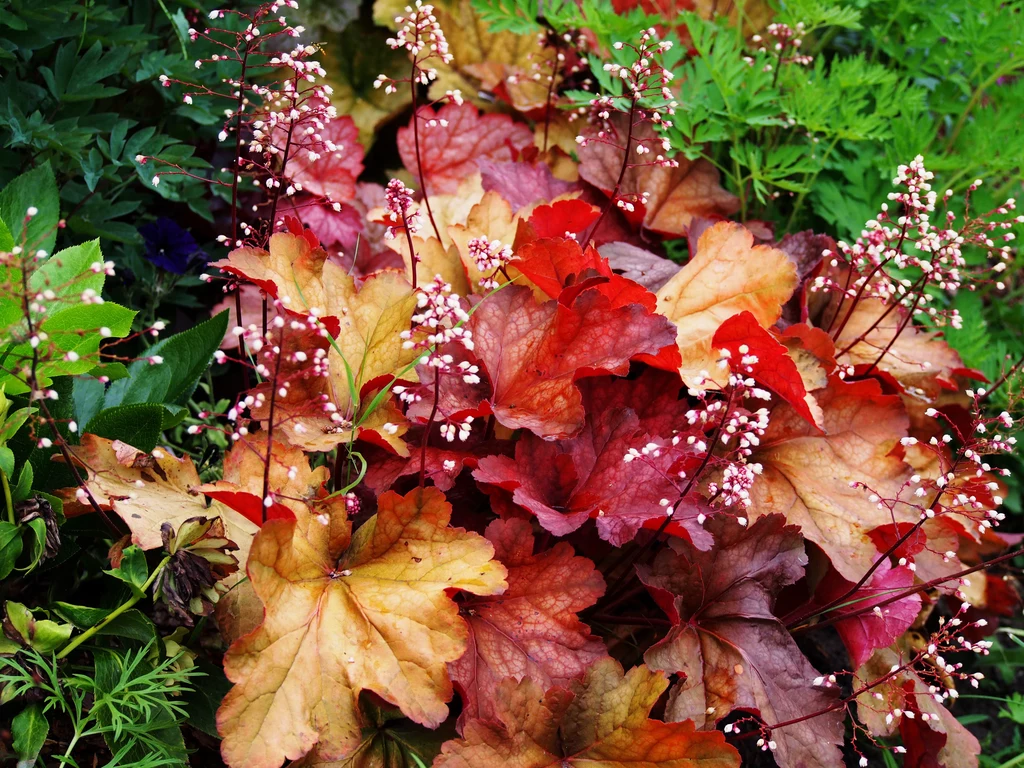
{"x": 556, "y": 263}
{"x": 564, "y": 218}
{"x": 755, "y": 352}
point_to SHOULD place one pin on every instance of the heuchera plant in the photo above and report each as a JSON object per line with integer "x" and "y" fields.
{"x": 505, "y": 486}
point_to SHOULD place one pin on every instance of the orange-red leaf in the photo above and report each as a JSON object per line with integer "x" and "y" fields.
{"x": 449, "y": 152}
{"x": 557, "y": 263}
{"x": 755, "y": 352}
{"x": 806, "y": 475}
{"x": 531, "y": 630}
{"x": 676, "y": 195}
{"x": 347, "y": 612}
{"x": 291, "y": 269}
{"x": 534, "y": 353}
{"x": 602, "y": 722}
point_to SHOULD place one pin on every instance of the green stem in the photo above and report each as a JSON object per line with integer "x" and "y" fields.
{"x": 7, "y": 497}
{"x": 115, "y": 613}
{"x": 808, "y": 181}
{"x": 1007, "y": 67}
{"x": 824, "y": 40}
{"x": 66, "y": 757}
{"x": 738, "y": 181}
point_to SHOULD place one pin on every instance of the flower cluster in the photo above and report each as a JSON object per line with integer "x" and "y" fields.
{"x": 933, "y": 254}
{"x": 647, "y": 98}
{"x": 286, "y": 359}
{"x": 400, "y": 214}
{"x": 34, "y": 355}
{"x": 438, "y": 321}
{"x": 960, "y": 483}
{"x": 490, "y": 257}
{"x": 635, "y": 120}
{"x": 712, "y": 449}
{"x": 420, "y": 32}
{"x": 564, "y": 61}
{"x": 918, "y": 682}
{"x": 422, "y": 37}
{"x": 283, "y": 122}
{"x": 784, "y": 42}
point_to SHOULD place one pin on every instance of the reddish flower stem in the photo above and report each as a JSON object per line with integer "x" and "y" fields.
{"x": 1003, "y": 379}
{"x": 841, "y": 704}
{"x": 642, "y": 551}
{"x": 239, "y": 107}
{"x": 551, "y": 91}
{"x": 412, "y": 249}
{"x": 270, "y": 432}
{"x": 419, "y": 159}
{"x": 910, "y": 591}
{"x": 426, "y": 429}
{"x": 865, "y": 284}
{"x": 883, "y": 558}
{"x": 33, "y": 384}
{"x": 618, "y": 182}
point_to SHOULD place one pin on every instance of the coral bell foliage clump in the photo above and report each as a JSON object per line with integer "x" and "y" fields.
{"x": 489, "y": 480}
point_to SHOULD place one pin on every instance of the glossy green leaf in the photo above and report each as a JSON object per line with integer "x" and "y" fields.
{"x": 185, "y": 356}
{"x": 138, "y": 424}
{"x": 23, "y": 489}
{"x": 82, "y": 616}
{"x": 133, "y": 570}
{"x": 10, "y": 547}
{"x": 35, "y": 188}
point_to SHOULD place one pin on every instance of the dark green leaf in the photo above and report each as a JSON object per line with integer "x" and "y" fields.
{"x": 138, "y": 424}
{"x": 23, "y": 489}
{"x": 6, "y": 461}
{"x": 35, "y": 536}
{"x": 10, "y": 547}
{"x": 204, "y": 699}
{"x": 109, "y": 668}
{"x": 82, "y": 616}
{"x": 185, "y": 357}
{"x": 133, "y": 625}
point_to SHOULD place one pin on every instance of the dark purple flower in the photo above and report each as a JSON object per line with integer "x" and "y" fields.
{"x": 170, "y": 247}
